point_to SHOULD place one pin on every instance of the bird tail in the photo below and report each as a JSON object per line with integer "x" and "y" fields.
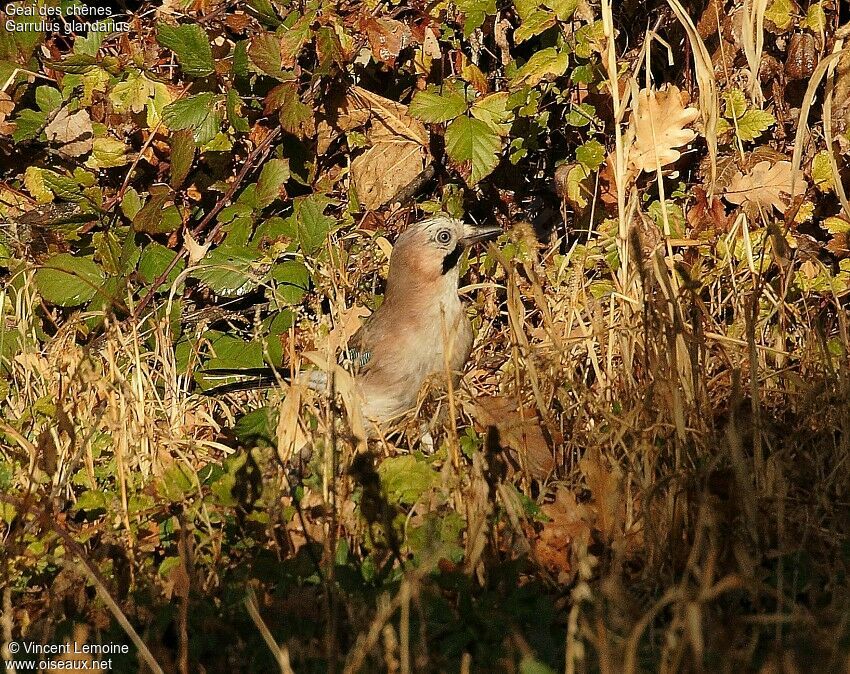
{"x": 252, "y": 378}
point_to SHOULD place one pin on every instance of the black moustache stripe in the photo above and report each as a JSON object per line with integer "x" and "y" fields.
{"x": 451, "y": 260}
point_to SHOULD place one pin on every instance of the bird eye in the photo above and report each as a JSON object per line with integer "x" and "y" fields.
{"x": 444, "y": 236}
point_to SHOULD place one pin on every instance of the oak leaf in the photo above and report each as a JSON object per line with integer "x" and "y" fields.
{"x": 657, "y": 128}
{"x": 764, "y": 185}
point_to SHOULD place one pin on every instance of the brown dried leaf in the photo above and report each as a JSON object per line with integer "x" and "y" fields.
{"x": 519, "y": 430}
{"x": 657, "y": 128}
{"x": 387, "y": 37}
{"x": 384, "y": 169}
{"x": 568, "y": 523}
{"x": 72, "y": 131}
{"x": 390, "y": 120}
{"x": 765, "y": 185}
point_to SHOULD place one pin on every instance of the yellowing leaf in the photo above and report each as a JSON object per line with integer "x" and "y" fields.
{"x": 34, "y": 182}
{"x": 779, "y": 12}
{"x": 822, "y": 172}
{"x": 544, "y": 64}
{"x": 765, "y": 185}
{"x": 107, "y": 153}
{"x": 657, "y": 128}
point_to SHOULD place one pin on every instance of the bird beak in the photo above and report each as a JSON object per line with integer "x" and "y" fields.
{"x": 474, "y": 233}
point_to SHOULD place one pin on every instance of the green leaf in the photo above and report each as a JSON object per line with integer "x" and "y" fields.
{"x": 230, "y": 271}
{"x": 591, "y": 154}
{"x": 47, "y": 98}
{"x": 753, "y": 122}
{"x": 475, "y": 11}
{"x": 28, "y": 124}
{"x": 543, "y": 64}
{"x": 154, "y": 261}
{"x": 564, "y": 9}
{"x": 69, "y": 281}
{"x": 150, "y": 218}
{"x": 405, "y": 479}
{"x": 272, "y": 178}
{"x": 736, "y": 103}
{"x": 815, "y": 18}
{"x": 308, "y": 224}
{"x": 434, "y": 107}
{"x": 182, "y": 155}
{"x": 131, "y": 204}
{"x": 257, "y": 428}
{"x": 234, "y": 104}
{"x": 471, "y": 140}
{"x": 292, "y": 281}
{"x": 530, "y": 665}
{"x": 581, "y": 115}
{"x": 190, "y": 45}
{"x": 196, "y": 113}
{"x": 90, "y": 500}
{"x": 533, "y": 24}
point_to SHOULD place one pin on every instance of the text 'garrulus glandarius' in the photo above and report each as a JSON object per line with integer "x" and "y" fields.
{"x": 421, "y": 328}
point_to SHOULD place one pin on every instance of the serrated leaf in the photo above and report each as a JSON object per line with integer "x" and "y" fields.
{"x": 564, "y": 9}
{"x": 197, "y": 113}
{"x": 91, "y": 500}
{"x": 753, "y": 123}
{"x": 475, "y": 12}
{"x": 311, "y": 225}
{"x": 736, "y": 103}
{"x": 190, "y": 44}
{"x": 435, "y": 107}
{"x": 272, "y": 178}
{"x": 534, "y": 24}
{"x": 471, "y": 140}
{"x": 68, "y": 281}
{"x": 138, "y": 93}
{"x": 493, "y": 111}
{"x": 152, "y": 218}
{"x": 230, "y": 271}
{"x": 264, "y": 52}
{"x": 34, "y": 182}
{"x": 296, "y": 117}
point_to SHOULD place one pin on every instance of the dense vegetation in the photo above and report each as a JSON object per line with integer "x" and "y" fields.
{"x": 647, "y": 464}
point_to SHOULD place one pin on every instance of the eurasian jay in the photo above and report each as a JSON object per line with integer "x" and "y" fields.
{"x": 420, "y": 330}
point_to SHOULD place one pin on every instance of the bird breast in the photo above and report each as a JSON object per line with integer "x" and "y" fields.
{"x": 415, "y": 344}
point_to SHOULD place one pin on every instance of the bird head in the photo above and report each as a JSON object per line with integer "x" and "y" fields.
{"x": 429, "y": 251}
